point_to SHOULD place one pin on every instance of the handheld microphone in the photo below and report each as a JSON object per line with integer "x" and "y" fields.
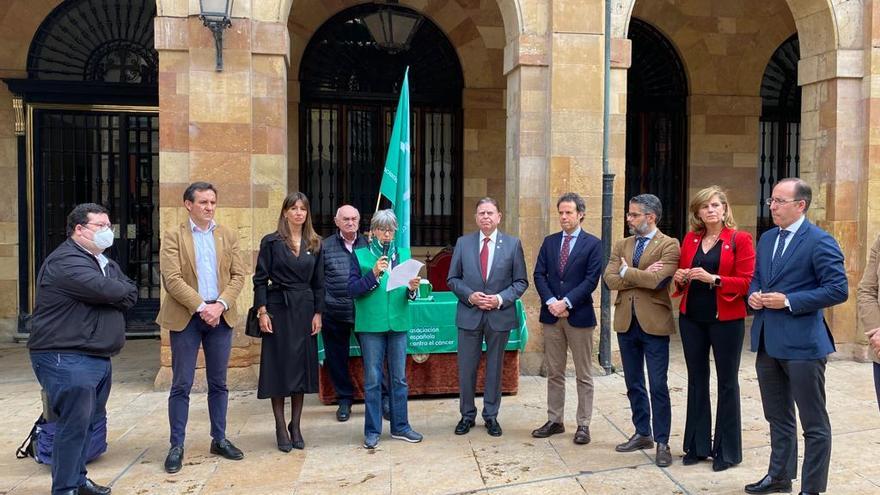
{"x": 385, "y": 246}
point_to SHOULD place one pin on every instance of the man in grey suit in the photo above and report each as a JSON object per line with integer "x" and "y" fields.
{"x": 488, "y": 274}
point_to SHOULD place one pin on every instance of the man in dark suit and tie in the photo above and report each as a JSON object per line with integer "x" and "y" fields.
{"x": 639, "y": 269}
{"x": 488, "y": 274}
{"x": 566, "y": 274}
{"x": 799, "y": 271}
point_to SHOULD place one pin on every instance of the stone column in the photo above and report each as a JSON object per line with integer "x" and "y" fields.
{"x": 228, "y": 128}
{"x": 527, "y": 174}
{"x": 833, "y": 162}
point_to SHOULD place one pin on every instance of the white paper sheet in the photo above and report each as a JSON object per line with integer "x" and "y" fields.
{"x": 401, "y": 274}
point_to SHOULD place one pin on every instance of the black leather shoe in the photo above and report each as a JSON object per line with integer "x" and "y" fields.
{"x": 90, "y": 488}
{"x": 464, "y": 426}
{"x": 343, "y": 412}
{"x": 582, "y": 435}
{"x": 493, "y": 427}
{"x": 769, "y": 485}
{"x": 664, "y": 456}
{"x": 549, "y": 428}
{"x": 226, "y": 449}
{"x": 636, "y": 442}
{"x": 174, "y": 461}
{"x": 690, "y": 459}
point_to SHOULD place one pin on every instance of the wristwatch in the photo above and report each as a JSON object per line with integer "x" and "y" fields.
{"x": 717, "y": 281}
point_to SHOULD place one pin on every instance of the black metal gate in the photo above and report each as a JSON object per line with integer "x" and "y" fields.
{"x": 342, "y": 152}
{"x": 350, "y": 87}
{"x": 656, "y": 125}
{"x": 110, "y": 158}
{"x": 780, "y": 125}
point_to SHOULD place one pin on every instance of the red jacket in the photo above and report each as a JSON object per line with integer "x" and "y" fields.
{"x": 735, "y": 270}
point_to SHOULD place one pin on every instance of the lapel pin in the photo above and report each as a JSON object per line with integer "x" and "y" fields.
{"x": 727, "y": 246}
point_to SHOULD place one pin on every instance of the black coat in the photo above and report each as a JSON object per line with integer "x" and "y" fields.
{"x": 79, "y": 309}
{"x": 337, "y": 263}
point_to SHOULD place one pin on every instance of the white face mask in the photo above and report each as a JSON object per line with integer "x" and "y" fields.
{"x": 103, "y": 238}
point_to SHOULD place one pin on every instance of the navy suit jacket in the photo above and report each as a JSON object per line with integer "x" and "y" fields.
{"x": 577, "y": 282}
{"x": 812, "y": 276}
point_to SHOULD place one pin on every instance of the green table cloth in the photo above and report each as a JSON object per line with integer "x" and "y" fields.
{"x": 434, "y": 330}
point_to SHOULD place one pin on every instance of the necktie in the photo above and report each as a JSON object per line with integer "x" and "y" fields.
{"x": 640, "y": 248}
{"x": 563, "y": 255}
{"x": 484, "y": 259}
{"x": 777, "y": 256}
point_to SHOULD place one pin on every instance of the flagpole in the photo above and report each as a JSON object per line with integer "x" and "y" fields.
{"x": 378, "y": 200}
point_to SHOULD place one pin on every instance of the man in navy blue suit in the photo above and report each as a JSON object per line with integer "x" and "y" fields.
{"x": 799, "y": 271}
{"x": 566, "y": 274}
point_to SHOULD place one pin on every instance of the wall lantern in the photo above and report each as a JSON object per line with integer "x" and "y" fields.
{"x": 392, "y": 29}
{"x": 217, "y": 16}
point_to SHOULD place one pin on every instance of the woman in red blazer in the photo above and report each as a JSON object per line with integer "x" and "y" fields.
{"x": 714, "y": 271}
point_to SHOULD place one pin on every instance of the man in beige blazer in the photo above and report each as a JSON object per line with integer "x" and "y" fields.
{"x": 639, "y": 269}
{"x": 869, "y": 309}
{"x": 203, "y": 274}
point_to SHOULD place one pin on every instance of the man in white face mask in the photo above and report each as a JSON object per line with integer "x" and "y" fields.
{"x": 77, "y": 325}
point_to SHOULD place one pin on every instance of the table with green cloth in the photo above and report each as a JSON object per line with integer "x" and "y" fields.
{"x": 434, "y": 330}
{"x": 434, "y": 333}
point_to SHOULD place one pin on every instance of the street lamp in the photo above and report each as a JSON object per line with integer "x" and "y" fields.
{"x": 392, "y": 29}
{"x": 216, "y": 15}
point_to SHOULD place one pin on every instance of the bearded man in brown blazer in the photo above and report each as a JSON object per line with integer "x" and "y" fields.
{"x": 203, "y": 274}
{"x": 639, "y": 269}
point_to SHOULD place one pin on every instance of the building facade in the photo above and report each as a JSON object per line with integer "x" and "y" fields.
{"x": 119, "y": 102}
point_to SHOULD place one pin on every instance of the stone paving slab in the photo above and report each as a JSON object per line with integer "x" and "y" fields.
{"x": 335, "y": 462}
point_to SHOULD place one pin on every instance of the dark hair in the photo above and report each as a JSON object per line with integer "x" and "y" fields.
{"x": 308, "y": 231}
{"x": 487, "y": 199}
{"x": 190, "y": 193}
{"x": 649, "y": 204}
{"x": 573, "y": 197}
{"x": 802, "y": 190}
{"x": 80, "y": 215}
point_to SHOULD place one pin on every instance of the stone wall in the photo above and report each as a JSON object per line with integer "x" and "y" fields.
{"x": 228, "y": 128}
{"x": 19, "y": 20}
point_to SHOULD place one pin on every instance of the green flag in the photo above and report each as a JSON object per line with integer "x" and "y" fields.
{"x": 396, "y": 177}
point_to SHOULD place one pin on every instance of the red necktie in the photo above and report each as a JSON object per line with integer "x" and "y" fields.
{"x": 484, "y": 259}
{"x": 563, "y": 255}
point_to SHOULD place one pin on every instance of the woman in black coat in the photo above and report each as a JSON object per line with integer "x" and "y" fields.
{"x": 289, "y": 296}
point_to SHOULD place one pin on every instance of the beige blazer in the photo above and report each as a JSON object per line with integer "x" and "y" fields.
{"x": 177, "y": 262}
{"x": 868, "y": 303}
{"x": 647, "y": 292}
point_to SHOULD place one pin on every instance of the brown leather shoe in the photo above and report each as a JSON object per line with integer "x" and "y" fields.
{"x": 549, "y": 428}
{"x": 636, "y": 442}
{"x": 582, "y": 435}
{"x": 664, "y": 456}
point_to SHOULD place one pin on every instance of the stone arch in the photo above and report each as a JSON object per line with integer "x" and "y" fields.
{"x": 19, "y": 20}
{"x": 479, "y": 34}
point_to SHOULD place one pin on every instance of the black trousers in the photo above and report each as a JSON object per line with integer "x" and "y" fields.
{"x": 337, "y": 340}
{"x": 725, "y": 340}
{"x": 784, "y": 383}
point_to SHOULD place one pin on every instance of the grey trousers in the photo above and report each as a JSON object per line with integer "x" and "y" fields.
{"x": 470, "y": 343}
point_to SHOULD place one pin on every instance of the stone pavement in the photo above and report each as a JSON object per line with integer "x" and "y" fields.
{"x": 335, "y": 462}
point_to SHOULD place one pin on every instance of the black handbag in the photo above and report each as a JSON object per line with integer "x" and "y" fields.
{"x": 252, "y": 324}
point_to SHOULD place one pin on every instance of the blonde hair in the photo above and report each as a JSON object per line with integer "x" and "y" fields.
{"x": 308, "y": 232}
{"x": 704, "y": 196}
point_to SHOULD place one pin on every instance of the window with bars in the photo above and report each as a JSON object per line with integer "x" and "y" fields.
{"x": 349, "y": 90}
{"x": 780, "y": 126}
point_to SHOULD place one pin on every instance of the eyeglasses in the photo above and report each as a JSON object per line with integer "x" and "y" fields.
{"x": 634, "y": 215}
{"x": 385, "y": 230}
{"x": 780, "y": 202}
{"x": 101, "y": 225}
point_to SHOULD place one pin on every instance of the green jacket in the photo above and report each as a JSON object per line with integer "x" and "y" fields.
{"x": 379, "y": 310}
